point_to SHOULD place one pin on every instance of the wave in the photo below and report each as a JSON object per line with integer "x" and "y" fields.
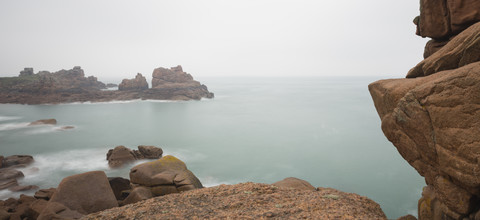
{"x": 9, "y": 118}
{"x": 13, "y": 126}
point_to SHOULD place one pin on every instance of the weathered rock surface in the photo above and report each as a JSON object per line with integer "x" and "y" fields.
{"x": 82, "y": 193}
{"x": 150, "y": 152}
{"x": 460, "y": 51}
{"x": 67, "y": 86}
{"x": 51, "y": 121}
{"x": 443, "y": 19}
{"x": 164, "y": 176}
{"x": 121, "y": 155}
{"x": 138, "y": 83}
{"x": 45, "y": 194}
{"x": 17, "y": 160}
{"x": 292, "y": 182}
{"x": 434, "y": 122}
{"x": 249, "y": 201}
{"x": 138, "y": 194}
{"x": 181, "y": 84}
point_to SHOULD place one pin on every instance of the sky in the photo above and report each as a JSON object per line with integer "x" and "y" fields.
{"x": 116, "y": 38}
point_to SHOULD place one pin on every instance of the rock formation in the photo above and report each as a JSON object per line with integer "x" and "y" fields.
{"x": 138, "y": 83}
{"x": 67, "y": 86}
{"x": 441, "y": 20}
{"x": 164, "y": 176}
{"x": 121, "y": 155}
{"x": 433, "y": 120}
{"x": 80, "y": 194}
{"x": 249, "y": 201}
{"x": 181, "y": 84}
{"x": 9, "y": 174}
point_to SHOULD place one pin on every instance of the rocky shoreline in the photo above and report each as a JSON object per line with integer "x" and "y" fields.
{"x": 67, "y": 86}
{"x": 165, "y": 189}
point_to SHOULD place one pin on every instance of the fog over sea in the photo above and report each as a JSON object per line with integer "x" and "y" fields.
{"x": 324, "y": 130}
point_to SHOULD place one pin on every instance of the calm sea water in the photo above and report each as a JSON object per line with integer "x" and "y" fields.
{"x": 323, "y": 130}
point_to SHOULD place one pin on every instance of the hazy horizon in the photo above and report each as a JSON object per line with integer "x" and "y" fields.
{"x": 117, "y": 39}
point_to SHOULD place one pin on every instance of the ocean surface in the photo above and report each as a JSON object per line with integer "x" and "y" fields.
{"x": 324, "y": 130}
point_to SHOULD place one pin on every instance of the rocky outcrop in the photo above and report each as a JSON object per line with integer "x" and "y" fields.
{"x": 249, "y": 201}
{"x": 138, "y": 83}
{"x": 181, "y": 84}
{"x": 164, "y": 176}
{"x": 434, "y": 120}
{"x": 51, "y": 121}
{"x": 67, "y": 86}
{"x": 443, "y": 19}
{"x": 9, "y": 174}
{"x": 121, "y": 155}
{"x": 80, "y": 194}
{"x": 460, "y": 51}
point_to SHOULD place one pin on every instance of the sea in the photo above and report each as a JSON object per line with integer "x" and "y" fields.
{"x": 321, "y": 129}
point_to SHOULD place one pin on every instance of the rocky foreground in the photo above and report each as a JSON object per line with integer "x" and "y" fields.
{"x": 433, "y": 116}
{"x": 66, "y": 86}
{"x": 165, "y": 189}
{"x": 249, "y": 201}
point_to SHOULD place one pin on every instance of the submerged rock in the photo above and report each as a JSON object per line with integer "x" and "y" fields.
{"x": 44, "y": 122}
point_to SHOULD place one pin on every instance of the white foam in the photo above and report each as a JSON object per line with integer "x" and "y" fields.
{"x": 9, "y": 118}
{"x": 13, "y": 126}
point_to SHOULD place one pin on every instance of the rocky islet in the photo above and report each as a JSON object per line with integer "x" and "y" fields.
{"x": 66, "y": 86}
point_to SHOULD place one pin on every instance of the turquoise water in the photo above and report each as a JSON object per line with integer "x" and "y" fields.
{"x": 323, "y": 130}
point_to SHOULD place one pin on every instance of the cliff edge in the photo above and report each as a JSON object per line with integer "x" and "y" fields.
{"x": 433, "y": 119}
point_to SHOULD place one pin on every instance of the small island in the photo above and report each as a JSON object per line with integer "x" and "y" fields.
{"x": 67, "y": 86}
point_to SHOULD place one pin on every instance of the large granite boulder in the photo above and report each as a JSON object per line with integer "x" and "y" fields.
{"x": 460, "y": 51}
{"x": 292, "y": 182}
{"x": 164, "y": 176}
{"x": 150, "y": 152}
{"x": 434, "y": 122}
{"x": 119, "y": 156}
{"x": 17, "y": 160}
{"x": 440, "y": 19}
{"x": 27, "y": 71}
{"x": 82, "y": 193}
{"x": 138, "y": 83}
{"x": 443, "y": 19}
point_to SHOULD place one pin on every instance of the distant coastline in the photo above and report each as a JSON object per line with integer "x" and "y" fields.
{"x": 70, "y": 86}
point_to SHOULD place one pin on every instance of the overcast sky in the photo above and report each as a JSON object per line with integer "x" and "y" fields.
{"x": 117, "y": 39}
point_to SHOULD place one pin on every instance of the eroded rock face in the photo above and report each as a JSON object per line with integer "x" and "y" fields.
{"x": 443, "y": 19}
{"x": 164, "y": 176}
{"x": 434, "y": 122}
{"x": 460, "y": 51}
{"x": 138, "y": 83}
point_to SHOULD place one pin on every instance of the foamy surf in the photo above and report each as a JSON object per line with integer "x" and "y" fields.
{"x": 13, "y": 126}
{"x": 8, "y": 118}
